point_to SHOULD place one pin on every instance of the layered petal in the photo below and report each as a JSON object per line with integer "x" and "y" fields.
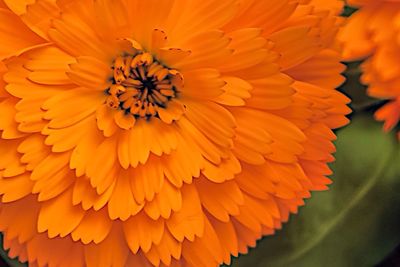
{"x": 164, "y": 133}
{"x": 372, "y": 33}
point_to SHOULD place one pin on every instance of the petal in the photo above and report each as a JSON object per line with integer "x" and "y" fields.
{"x": 142, "y": 232}
{"x": 113, "y": 251}
{"x": 86, "y": 195}
{"x": 208, "y": 49}
{"x": 249, "y": 180}
{"x": 82, "y": 153}
{"x": 76, "y": 37}
{"x": 183, "y": 164}
{"x": 223, "y": 172}
{"x": 202, "y": 84}
{"x": 227, "y": 237}
{"x": 324, "y": 69}
{"x": 39, "y": 14}
{"x": 153, "y": 136}
{"x": 139, "y": 11}
{"x": 356, "y": 36}
{"x": 25, "y": 228}
{"x": 147, "y": 180}
{"x": 91, "y": 73}
{"x": 65, "y": 252}
{"x": 65, "y": 139}
{"x": 33, "y": 151}
{"x": 169, "y": 199}
{"x": 11, "y": 43}
{"x": 15, "y": 188}
{"x": 105, "y": 120}
{"x": 210, "y": 252}
{"x": 251, "y": 142}
{"x": 188, "y": 222}
{"x": 211, "y": 15}
{"x": 236, "y": 91}
{"x": 48, "y": 61}
{"x": 122, "y": 204}
{"x": 123, "y": 120}
{"x": 172, "y": 56}
{"x": 8, "y": 125}
{"x": 306, "y": 45}
{"x": 102, "y": 168}
{"x": 390, "y": 113}
{"x": 48, "y": 66}
{"x": 172, "y": 112}
{"x": 168, "y": 248}
{"x": 51, "y": 165}
{"x": 199, "y": 141}
{"x": 220, "y": 200}
{"x": 286, "y": 137}
{"x": 220, "y": 129}
{"x": 95, "y": 226}
{"x": 67, "y": 219}
{"x": 18, "y": 6}
{"x": 51, "y": 187}
{"x": 266, "y": 15}
{"x": 249, "y": 49}
{"x": 271, "y": 93}
{"x": 10, "y": 158}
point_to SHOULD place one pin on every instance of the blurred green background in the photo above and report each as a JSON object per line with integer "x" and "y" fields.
{"x": 356, "y": 222}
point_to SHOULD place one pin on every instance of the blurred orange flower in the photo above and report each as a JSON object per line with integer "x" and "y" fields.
{"x": 162, "y": 133}
{"x": 372, "y": 32}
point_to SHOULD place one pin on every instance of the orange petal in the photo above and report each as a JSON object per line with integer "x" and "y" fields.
{"x": 95, "y": 226}
{"x": 14, "y": 44}
{"x": 188, "y": 222}
{"x": 67, "y": 219}
{"x": 122, "y": 205}
{"x": 142, "y": 232}
{"x": 113, "y": 251}
{"x": 15, "y": 188}
{"x": 91, "y": 73}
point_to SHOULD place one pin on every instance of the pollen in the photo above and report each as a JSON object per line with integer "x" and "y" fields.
{"x": 141, "y": 85}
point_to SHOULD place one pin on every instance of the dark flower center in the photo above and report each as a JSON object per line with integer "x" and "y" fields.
{"x": 142, "y": 85}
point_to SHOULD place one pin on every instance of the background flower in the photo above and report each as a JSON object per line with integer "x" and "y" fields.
{"x": 148, "y": 133}
{"x": 372, "y": 32}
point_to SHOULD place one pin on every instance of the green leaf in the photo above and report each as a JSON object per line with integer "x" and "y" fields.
{"x": 356, "y": 222}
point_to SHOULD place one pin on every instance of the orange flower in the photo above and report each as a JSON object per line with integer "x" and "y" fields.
{"x": 373, "y": 33}
{"x": 161, "y": 133}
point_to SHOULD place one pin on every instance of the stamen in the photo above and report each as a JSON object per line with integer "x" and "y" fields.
{"x": 147, "y": 58}
{"x": 127, "y": 68}
{"x": 142, "y": 85}
{"x": 112, "y": 101}
{"x": 117, "y": 89}
{"x": 161, "y": 74}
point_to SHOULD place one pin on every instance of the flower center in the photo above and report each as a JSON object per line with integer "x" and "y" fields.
{"x": 142, "y": 85}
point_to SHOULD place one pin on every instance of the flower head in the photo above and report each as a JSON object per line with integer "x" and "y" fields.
{"x": 372, "y": 33}
{"x": 162, "y": 133}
